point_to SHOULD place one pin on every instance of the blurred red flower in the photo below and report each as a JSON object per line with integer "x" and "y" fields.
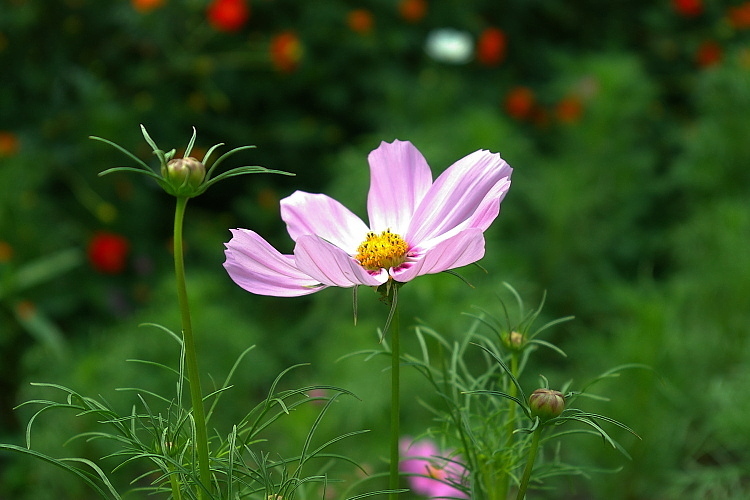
{"x": 286, "y": 51}
{"x": 491, "y": 47}
{"x": 688, "y": 8}
{"x": 739, "y": 17}
{"x": 709, "y": 53}
{"x": 412, "y": 10}
{"x": 8, "y": 143}
{"x": 360, "y": 20}
{"x": 146, "y": 5}
{"x": 228, "y": 15}
{"x": 519, "y": 102}
{"x": 108, "y": 252}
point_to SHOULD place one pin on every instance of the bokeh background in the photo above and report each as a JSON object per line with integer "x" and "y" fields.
{"x": 626, "y": 124}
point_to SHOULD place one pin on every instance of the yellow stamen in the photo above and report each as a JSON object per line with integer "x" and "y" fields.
{"x": 382, "y": 251}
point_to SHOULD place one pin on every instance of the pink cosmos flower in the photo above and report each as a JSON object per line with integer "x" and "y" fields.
{"x": 436, "y": 476}
{"x": 417, "y": 227}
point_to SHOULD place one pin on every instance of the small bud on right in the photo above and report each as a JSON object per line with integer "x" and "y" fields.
{"x": 546, "y": 403}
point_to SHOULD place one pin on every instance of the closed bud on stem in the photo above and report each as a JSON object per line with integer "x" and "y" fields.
{"x": 514, "y": 341}
{"x": 184, "y": 175}
{"x": 546, "y": 403}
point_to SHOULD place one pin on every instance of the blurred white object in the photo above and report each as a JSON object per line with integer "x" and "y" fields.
{"x": 450, "y": 46}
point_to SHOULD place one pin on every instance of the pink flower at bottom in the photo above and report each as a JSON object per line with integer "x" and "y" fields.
{"x": 434, "y": 475}
{"x": 416, "y": 227}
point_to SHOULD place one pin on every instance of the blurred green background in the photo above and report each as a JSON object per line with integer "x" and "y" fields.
{"x": 626, "y": 124}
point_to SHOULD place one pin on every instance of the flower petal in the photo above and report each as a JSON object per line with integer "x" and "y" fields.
{"x": 459, "y": 250}
{"x": 259, "y": 268}
{"x": 321, "y": 215}
{"x": 331, "y": 265}
{"x": 399, "y": 179}
{"x": 465, "y": 189}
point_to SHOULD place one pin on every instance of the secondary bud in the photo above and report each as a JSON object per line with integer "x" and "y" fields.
{"x": 184, "y": 175}
{"x": 514, "y": 341}
{"x": 546, "y": 403}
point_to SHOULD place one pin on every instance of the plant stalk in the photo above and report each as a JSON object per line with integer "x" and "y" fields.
{"x": 191, "y": 358}
{"x": 510, "y": 426}
{"x": 393, "y": 482}
{"x": 529, "y": 463}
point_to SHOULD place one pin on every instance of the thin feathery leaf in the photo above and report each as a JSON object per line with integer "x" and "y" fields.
{"x": 123, "y": 150}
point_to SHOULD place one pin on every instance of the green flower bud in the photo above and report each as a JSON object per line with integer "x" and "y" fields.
{"x": 514, "y": 341}
{"x": 184, "y": 175}
{"x": 546, "y": 403}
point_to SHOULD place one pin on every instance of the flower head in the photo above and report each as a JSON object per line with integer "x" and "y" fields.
{"x": 416, "y": 226}
{"x": 432, "y": 475}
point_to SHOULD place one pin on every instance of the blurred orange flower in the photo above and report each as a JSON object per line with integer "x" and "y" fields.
{"x": 286, "y": 51}
{"x": 491, "y": 47}
{"x": 108, "y": 252}
{"x": 412, "y": 10}
{"x": 688, "y": 8}
{"x": 569, "y": 110}
{"x": 360, "y": 20}
{"x": 709, "y": 53}
{"x": 228, "y": 15}
{"x": 6, "y": 252}
{"x": 8, "y": 143}
{"x": 146, "y": 5}
{"x": 519, "y": 102}
{"x": 739, "y": 17}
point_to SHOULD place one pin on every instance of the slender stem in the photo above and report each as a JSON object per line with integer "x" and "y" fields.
{"x": 176, "y": 494}
{"x": 191, "y": 358}
{"x": 529, "y": 463}
{"x": 395, "y": 403}
{"x": 510, "y": 426}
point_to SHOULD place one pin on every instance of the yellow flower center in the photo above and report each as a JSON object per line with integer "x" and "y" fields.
{"x": 382, "y": 251}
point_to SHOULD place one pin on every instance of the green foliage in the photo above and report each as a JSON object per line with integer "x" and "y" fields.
{"x": 631, "y": 212}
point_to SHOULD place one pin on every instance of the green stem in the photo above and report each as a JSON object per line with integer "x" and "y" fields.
{"x": 510, "y": 426}
{"x": 176, "y": 494}
{"x": 529, "y": 463}
{"x": 191, "y": 358}
{"x": 393, "y": 482}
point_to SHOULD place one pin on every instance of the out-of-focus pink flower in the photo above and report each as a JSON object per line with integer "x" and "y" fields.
{"x": 228, "y": 15}
{"x": 491, "y": 47}
{"x": 416, "y": 227}
{"x": 286, "y": 51}
{"x": 108, "y": 252}
{"x": 435, "y": 476}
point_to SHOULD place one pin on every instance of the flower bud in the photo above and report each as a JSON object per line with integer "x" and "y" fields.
{"x": 514, "y": 341}
{"x": 184, "y": 175}
{"x": 546, "y": 403}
